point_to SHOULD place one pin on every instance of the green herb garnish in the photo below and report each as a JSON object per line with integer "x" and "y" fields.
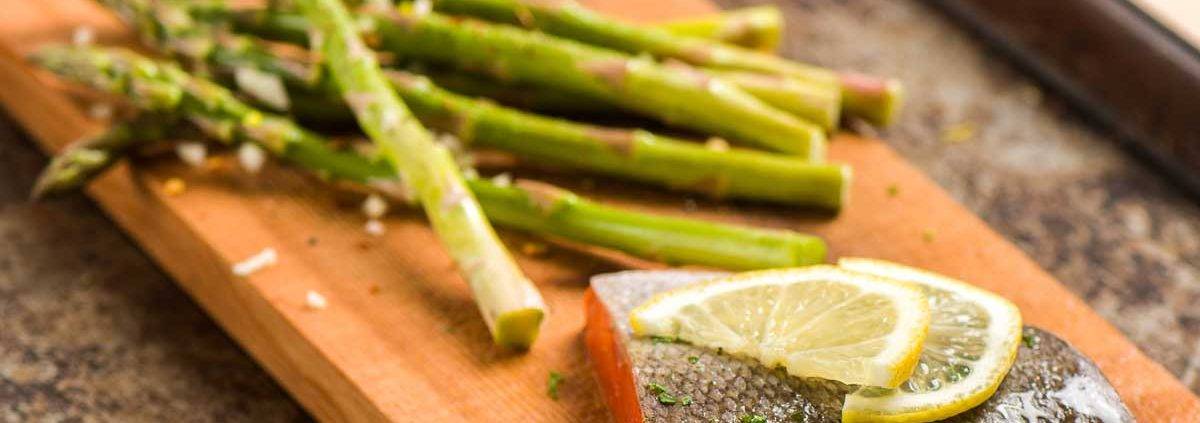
{"x": 1030, "y": 341}
{"x": 664, "y": 397}
{"x": 753, "y": 418}
{"x": 928, "y": 235}
{"x": 893, "y": 190}
{"x": 552, "y": 383}
{"x": 686, "y": 400}
{"x": 693, "y": 359}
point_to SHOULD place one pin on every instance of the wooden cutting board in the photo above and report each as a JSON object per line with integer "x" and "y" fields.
{"x": 401, "y": 339}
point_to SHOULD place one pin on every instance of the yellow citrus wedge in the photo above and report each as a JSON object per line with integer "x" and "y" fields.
{"x": 971, "y": 345}
{"x": 818, "y": 321}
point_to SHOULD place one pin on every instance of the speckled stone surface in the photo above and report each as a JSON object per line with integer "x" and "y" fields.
{"x": 93, "y": 331}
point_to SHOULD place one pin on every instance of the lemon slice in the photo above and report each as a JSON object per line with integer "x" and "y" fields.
{"x": 971, "y": 345}
{"x": 818, "y": 321}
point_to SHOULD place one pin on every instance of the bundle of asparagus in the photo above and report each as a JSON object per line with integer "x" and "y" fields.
{"x": 341, "y": 80}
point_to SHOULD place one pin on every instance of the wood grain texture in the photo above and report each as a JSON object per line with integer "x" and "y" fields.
{"x": 416, "y": 349}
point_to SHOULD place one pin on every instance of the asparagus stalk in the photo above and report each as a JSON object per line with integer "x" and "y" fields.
{"x": 89, "y": 156}
{"x": 511, "y": 305}
{"x": 755, "y": 27}
{"x": 526, "y": 206}
{"x": 872, "y": 98}
{"x": 542, "y": 208}
{"x": 631, "y": 154}
{"x": 815, "y": 103}
{"x": 677, "y": 95}
{"x": 166, "y": 89}
{"x": 530, "y": 98}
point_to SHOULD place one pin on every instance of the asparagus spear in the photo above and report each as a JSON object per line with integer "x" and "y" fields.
{"x": 754, "y": 27}
{"x": 632, "y": 154}
{"x": 89, "y": 156}
{"x": 678, "y": 94}
{"x": 818, "y": 103}
{"x": 530, "y": 98}
{"x": 872, "y": 98}
{"x": 511, "y": 305}
{"x": 531, "y": 207}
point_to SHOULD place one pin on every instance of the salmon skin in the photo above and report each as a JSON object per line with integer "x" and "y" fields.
{"x": 1050, "y": 381}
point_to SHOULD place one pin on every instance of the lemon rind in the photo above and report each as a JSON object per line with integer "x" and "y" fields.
{"x": 978, "y": 387}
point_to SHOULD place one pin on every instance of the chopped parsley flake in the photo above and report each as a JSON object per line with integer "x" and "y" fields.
{"x": 928, "y": 235}
{"x": 893, "y": 190}
{"x": 753, "y": 418}
{"x": 664, "y": 397}
{"x": 552, "y": 383}
{"x": 686, "y": 400}
{"x": 693, "y": 359}
{"x": 1030, "y": 341}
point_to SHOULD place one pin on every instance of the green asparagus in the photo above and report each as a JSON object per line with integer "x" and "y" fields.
{"x": 815, "y": 103}
{"x": 218, "y": 113}
{"x": 632, "y": 154}
{"x": 677, "y": 95}
{"x": 89, "y": 156}
{"x": 525, "y": 206}
{"x": 875, "y": 99}
{"x": 756, "y": 27}
{"x": 510, "y": 303}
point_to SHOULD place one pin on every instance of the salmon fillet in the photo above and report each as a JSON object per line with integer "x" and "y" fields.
{"x": 1050, "y": 381}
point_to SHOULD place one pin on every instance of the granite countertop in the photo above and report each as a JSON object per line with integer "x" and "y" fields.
{"x": 93, "y": 331}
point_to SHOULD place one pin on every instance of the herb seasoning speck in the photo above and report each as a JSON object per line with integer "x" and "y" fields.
{"x": 753, "y": 418}
{"x": 552, "y": 383}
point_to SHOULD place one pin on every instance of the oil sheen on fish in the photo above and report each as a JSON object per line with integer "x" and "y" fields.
{"x": 1050, "y": 382}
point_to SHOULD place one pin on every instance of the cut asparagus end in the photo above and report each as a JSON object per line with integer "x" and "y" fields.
{"x": 874, "y": 99}
{"x": 816, "y": 147}
{"x": 808, "y": 250}
{"x": 517, "y": 329}
{"x": 755, "y": 27}
{"x": 847, "y": 181}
